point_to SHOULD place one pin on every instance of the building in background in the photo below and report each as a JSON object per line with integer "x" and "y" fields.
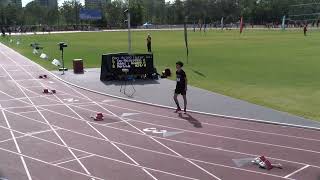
{"x": 96, "y": 4}
{"x": 15, "y": 2}
{"x": 48, "y": 3}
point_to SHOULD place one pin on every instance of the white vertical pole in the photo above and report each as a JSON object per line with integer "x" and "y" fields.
{"x": 129, "y": 33}
{"x": 129, "y": 28}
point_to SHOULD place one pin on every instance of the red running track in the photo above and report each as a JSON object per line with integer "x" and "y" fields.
{"x": 46, "y": 137}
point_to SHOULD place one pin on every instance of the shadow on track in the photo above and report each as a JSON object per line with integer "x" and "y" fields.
{"x": 191, "y": 120}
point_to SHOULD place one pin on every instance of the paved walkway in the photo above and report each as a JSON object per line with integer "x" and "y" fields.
{"x": 161, "y": 91}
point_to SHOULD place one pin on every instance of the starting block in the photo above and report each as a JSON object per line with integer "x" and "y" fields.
{"x": 264, "y": 163}
{"x": 43, "y": 77}
{"x": 46, "y": 91}
{"x": 98, "y": 117}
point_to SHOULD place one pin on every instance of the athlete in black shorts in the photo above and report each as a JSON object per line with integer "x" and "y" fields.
{"x": 181, "y": 87}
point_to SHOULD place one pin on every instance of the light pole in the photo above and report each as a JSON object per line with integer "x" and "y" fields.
{"x": 129, "y": 27}
{"x": 62, "y": 45}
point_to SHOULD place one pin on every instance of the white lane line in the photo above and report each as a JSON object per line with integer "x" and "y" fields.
{"x": 218, "y": 136}
{"x": 13, "y": 70}
{"x": 15, "y": 99}
{"x": 26, "y": 135}
{"x": 44, "y": 118}
{"x": 166, "y": 138}
{"x": 179, "y": 119}
{"x": 19, "y": 80}
{"x": 28, "y": 112}
{"x": 295, "y": 172}
{"x": 226, "y": 137}
{"x": 41, "y": 132}
{"x": 33, "y": 87}
{"x": 169, "y": 117}
{"x": 66, "y": 160}
{"x": 70, "y": 160}
{"x": 170, "y": 155}
{"x": 149, "y": 174}
{"x": 31, "y": 106}
{"x": 10, "y": 139}
{"x": 228, "y": 127}
{"x": 44, "y": 162}
{"x": 102, "y": 135}
{"x": 191, "y": 162}
{"x": 16, "y": 143}
{"x": 238, "y": 152}
{"x": 100, "y": 156}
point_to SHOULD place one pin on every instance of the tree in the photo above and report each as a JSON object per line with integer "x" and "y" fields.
{"x": 115, "y": 13}
{"x": 33, "y": 13}
{"x": 136, "y": 9}
{"x": 179, "y": 14}
{"x": 70, "y": 11}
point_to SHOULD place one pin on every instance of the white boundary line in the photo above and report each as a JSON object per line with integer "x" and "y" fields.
{"x": 105, "y": 157}
{"x": 167, "y": 107}
{"x": 114, "y": 145}
{"x": 26, "y": 135}
{"x": 126, "y": 119}
{"x": 145, "y": 134}
{"x": 42, "y": 85}
{"x": 177, "y": 141}
{"x": 39, "y": 160}
{"x": 47, "y": 122}
{"x": 164, "y": 138}
{"x": 27, "y": 112}
{"x": 16, "y": 143}
{"x": 209, "y": 124}
{"x": 162, "y": 106}
{"x": 155, "y": 137}
{"x": 225, "y": 137}
{"x": 207, "y": 134}
{"x": 84, "y": 157}
{"x": 149, "y": 113}
{"x": 301, "y": 169}
{"x": 194, "y": 111}
{"x": 170, "y": 149}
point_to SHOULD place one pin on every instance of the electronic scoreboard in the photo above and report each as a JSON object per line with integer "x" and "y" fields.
{"x": 138, "y": 64}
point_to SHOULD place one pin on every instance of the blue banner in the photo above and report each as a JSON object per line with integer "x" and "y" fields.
{"x": 90, "y": 14}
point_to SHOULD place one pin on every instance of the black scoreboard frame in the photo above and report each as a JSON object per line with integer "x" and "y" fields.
{"x": 112, "y": 65}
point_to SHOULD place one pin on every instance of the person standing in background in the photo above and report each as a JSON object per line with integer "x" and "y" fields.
{"x": 149, "y": 43}
{"x": 305, "y": 29}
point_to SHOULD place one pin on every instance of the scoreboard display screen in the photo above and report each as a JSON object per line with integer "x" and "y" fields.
{"x": 138, "y": 64}
{"x": 133, "y": 62}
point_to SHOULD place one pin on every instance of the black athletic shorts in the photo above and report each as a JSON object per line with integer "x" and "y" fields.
{"x": 181, "y": 91}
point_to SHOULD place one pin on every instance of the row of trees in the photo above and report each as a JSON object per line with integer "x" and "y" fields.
{"x": 158, "y": 12}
